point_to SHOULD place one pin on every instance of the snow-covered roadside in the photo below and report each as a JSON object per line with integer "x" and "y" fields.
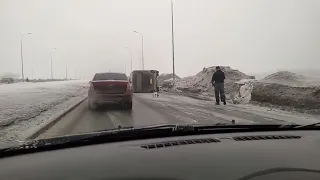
{"x": 289, "y": 116}
{"x": 268, "y": 114}
{"x": 26, "y": 106}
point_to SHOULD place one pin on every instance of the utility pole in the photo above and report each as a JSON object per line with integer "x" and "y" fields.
{"x": 51, "y": 65}
{"x": 66, "y": 70}
{"x": 22, "y": 73}
{"x": 22, "y": 62}
{"x": 131, "y": 61}
{"x": 142, "y": 55}
{"x": 125, "y": 67}
{"x": 141, "y": 48}
{"x": 51, "y": 61}
{"x": 173, "y": 68}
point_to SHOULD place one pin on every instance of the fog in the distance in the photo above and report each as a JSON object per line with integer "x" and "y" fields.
{"x": 253, "y": 36}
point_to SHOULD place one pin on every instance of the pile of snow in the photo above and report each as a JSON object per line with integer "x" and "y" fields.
{"x": 166, "y": 80}
{"x": 288, "y": 89}
{"x": 244, "y": 93}
{"x": 291, "y": 79}
{"x": 166, "y": 77}
{"x": 310, "y": 72}
{"x": 171, "y": 79}
{"x": 201, "y": 82}
{"x": 285, "y": 76}
{"x": 21, "y": 103}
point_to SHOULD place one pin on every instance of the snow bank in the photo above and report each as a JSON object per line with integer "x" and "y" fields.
{"x": 201, "y": 82}
{"x": 22, "y": 103}
{"x": 171, "y": 79}
{"x": 243, "y": 95}
{"x": 166, "y": 77}
{"x": 291, "y": 79}
{"x": 282, "y": 88}
{"x": 288, "y": 89}
{"x": 284, "y": 76}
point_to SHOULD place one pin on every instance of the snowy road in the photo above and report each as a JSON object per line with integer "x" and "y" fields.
{"x": 167, "y": 108}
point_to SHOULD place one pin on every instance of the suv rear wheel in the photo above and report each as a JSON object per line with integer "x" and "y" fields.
{"x": 92, "y": 105}
{"x": 128, "y": 105}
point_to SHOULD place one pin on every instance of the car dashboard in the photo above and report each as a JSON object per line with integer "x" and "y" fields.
{"x": 255, "y": 155}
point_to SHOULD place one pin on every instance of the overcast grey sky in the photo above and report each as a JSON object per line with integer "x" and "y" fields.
{"x": 91, "y": 35}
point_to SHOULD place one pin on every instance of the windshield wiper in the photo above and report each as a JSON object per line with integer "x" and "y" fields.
{"x": 116, "y": 135}
{"x": 308, "y": 126}
{"x": 130, "y": 133}
{"x": 183, "y": 128}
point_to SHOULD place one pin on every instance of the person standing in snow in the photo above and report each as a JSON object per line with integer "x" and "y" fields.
{"x": 218, "y": 84}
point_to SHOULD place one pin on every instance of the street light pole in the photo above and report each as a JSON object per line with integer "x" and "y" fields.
{"x": 22, "y": 56}
{"x": 141, "y": 48}
{"x": 51, "y": 61}
{"x": 125, "y": 66}
{"x": 173, "y": 68}
{"x": 142, "y": 54}
{"x": 130, "y": 59}
{"x": 51, "y": 65}
{"x": 66, "y": 70}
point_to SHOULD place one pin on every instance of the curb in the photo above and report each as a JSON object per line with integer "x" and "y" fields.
{"x": 53, "y": 121}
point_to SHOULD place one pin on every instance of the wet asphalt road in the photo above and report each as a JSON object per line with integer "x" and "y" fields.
{"x": 167, "y": 108}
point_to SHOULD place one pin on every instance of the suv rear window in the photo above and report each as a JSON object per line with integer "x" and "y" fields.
{"x": 110, "y": 76}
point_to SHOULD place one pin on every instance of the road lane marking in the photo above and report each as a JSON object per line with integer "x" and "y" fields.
{"x": 185, "y": 119}
{"x": 115, "y": 121}
{"x": 124, "y": 118}
{"x": 269, "y": 119}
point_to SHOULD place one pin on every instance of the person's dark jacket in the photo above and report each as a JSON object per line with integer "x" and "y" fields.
{"x": 218, "y": 77}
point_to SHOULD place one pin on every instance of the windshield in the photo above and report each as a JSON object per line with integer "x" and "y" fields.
{"x": 109, "y": 76}
{"x": 74, "y": 67}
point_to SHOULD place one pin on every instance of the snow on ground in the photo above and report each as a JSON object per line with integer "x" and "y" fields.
{"x": 241, "y": 113}
{"x": 171, "y": 79}
{"x": 288, "y": 89}
{"x": 244, "y": 94}
{"x": 291, "y": 79}
{"x": 24, "y": 106}
{"x": 166, "y": 77}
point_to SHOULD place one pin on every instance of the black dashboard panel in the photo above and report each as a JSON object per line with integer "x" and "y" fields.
{"x": 263, "y": 155}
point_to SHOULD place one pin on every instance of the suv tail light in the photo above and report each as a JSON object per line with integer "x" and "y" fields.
{"x": 128, "y": 87}
{"x": 91, "y": 86}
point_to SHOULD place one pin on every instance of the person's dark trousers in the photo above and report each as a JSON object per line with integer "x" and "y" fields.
{"x": 219, "y": 92}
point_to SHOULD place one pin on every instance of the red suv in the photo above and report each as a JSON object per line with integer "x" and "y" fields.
{"x": 109, "y": 88}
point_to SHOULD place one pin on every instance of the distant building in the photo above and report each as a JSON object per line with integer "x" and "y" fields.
{"x": 7, "y": 80}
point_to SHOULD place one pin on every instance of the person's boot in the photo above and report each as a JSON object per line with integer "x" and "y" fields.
{"x": 223, "y": 99}
{"x": 217, "y": 100}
